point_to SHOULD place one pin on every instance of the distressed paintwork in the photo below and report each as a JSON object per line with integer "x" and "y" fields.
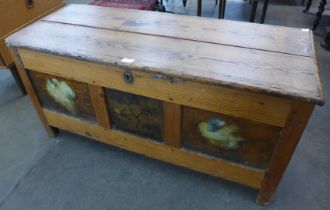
{"x": 63, "y": 95}
{"x": 135, "y": 114}
{"x": 220, "y": 134}
{"x": 238, "y": 140}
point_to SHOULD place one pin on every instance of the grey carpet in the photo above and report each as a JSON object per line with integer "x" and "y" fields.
{"x": 73, "y": 172}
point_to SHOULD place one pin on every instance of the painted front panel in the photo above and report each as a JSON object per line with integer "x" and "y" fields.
{"x": 63, "y": 95}
{"x": 135, "y": 114}
{"x": 233, "y": 139}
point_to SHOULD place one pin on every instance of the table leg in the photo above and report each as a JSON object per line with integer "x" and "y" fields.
{"x": 308, "y": 5}
{"x": 184, "y": 2}
{"x": 253, "y": 10}
{"x": 199, "y": 8}
{"x": 319, "y": 14}
{"x": 264, "y": 10}
{"x": 17, "y": 78}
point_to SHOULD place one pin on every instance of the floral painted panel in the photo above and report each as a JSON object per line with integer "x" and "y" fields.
{"x": 233, "y": 139}
{"x": 63, "y": 95}
{"x": 135, "y": 114}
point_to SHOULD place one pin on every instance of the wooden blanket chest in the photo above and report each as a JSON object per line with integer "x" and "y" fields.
{"x": 226, "y": 98}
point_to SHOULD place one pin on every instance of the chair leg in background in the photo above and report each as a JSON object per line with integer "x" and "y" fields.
{"x": 326, "y": 41}
{"x": 308, "y": 5}
{"x": 222, "y": 8}
{"x": 253, "y": 10}
{"x": 319, "y": 14}
{"x": 264, "y": 11}
{"x": 199, "y": 8}
{"x": 17, "y": 78}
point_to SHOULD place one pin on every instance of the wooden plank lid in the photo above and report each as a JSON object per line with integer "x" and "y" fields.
{"x": 261, "y": 58}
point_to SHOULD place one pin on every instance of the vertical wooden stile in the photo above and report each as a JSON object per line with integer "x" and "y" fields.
{"x": 2, "y": 63}
{"x": 30, "y": 90}
{"x": 17, "y": 78}
{"x": 100, "y": 107}
{"x": 172, "y": 124}
{"x": 288, "y": 140}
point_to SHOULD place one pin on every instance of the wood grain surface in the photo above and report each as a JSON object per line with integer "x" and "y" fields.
{"x": 172, "y": 124}
{"x": 217, "y": 167}
{"x": 19, "y": 19}
{"x": 30, "y": 90}
{"x": 242, "y": 104}
{"x": 235, "y": 33}
{"x": 100, "y": 106}
{"x": 15, "y": 13}
{"x": 237, "y": 67}
{"x": 290, "y": 136}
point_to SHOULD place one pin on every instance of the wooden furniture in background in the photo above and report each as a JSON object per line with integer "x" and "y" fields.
{"x": 199, "y": 6}
{"x": 319, "y": 13}
{"x": 326, "y": 40}
{"x": 204, "y": 98}
{"x": 127, "y": 4}
{"x": 254, "y": 4}
{"x": 15, "y": 14}
{"x": 222, "y": 8}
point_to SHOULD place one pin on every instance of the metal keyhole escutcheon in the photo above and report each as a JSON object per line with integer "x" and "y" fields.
{"x": 128, "y": 77}
{"x": 29, "y": 3}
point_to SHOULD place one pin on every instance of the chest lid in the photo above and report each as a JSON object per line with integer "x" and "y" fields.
{"x": 261, "y": 58}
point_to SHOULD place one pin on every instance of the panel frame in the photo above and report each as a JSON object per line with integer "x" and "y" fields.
{"x": 100, "y": 106}
{"x": 172, "y": 119}
{"x": 296, "y": 115}
{"x": 51, "y": 131}
{"x": 237, "y": 103}
{"x": 288, "y": 140}
{"x": 217, "y": 167}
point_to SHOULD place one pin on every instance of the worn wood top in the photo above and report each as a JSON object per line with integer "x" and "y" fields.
{"x": 260, "y": 58}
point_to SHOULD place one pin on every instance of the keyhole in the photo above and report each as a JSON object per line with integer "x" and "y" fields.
{"x": 29, "y": 3}
{"x": 128, "y": 77}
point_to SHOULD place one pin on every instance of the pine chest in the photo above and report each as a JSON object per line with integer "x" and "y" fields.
{"x": 226, "y": 98}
